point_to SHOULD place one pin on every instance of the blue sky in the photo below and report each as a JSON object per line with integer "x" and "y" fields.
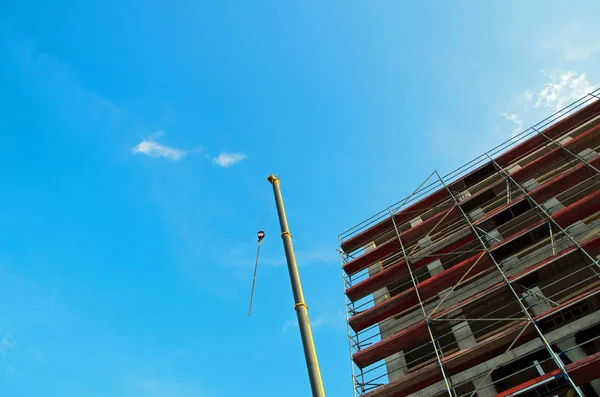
{"x": 136, "y": 139}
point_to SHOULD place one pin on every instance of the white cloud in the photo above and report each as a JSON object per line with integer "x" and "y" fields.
{"x": 36, "y": 355}
{"x": 559, "y": 90}
{"x": 562, "y": 89}
{"x": 516, "y": 120}
{"x": 290, "y": 324}
{"x": 316, "y": 323}
{"x": 150, "y": 147}
{"x": 6, "y": 342}
{"x": 226, "y": 160}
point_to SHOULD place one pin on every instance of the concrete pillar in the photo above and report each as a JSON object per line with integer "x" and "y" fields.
{"x": 553, "y": 205}
{"x": 396, "y": 363}
{"x": 465, "y": 339}
{"x": 425, "y": 242}
{"x": 415, "y": 221}
{"x": 381, "y": 294}
{"x": 464, "y": 336}
{"x": 492, "y": 237}
{"x": 587, "y": 154}
{"x": 476, "y": 214}
{"x": 435, "y": 267}
{"x": 530, "y": 184}
{"x": 396, "y": 366}
{"x": 534, "y": 300}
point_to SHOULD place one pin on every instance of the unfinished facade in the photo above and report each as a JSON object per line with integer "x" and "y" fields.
{"x": 486, "y": 282}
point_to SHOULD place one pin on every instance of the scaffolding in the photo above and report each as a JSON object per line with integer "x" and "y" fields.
{"x": 485, "y": 281}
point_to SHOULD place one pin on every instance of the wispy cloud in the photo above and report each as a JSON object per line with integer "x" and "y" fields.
{"x": 561, "y": 89}
{"x": 290, "y": 324}
{"x": 36, "y": 355}
{"x": 227, "y": 160}
{"x": 323, "y": 320}
{"x": 558, "y": 91}
{"x": 516, "y": 120}
{"x": 150, "y": 147}
{"x": 6, "y": 342}
{"x": 316, "y": 323}
{"x": 317, "y": 254}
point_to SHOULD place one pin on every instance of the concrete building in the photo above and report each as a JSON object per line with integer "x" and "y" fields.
{"x": 486, "y": 282}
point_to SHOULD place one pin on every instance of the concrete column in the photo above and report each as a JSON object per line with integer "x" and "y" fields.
{"x": 465, "y": 339}
{"x": 396, "y": 366}
{"x": 415, "y": 221}
{"x": 396, "y": 363}
{"x": 492, "y": 237}
{"x": 464, "y": 336}
{"x": 534, "y": 300}
{"x": 552, "y": 205}
{"x": 476, "y": 214}
{"x": 436, "y": 268}
{"x": 381, "y": 294}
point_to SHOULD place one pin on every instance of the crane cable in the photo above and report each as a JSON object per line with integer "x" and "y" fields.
{"x": 261, "y": 234}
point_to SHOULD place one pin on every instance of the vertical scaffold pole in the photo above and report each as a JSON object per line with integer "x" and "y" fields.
{"x": 314, "y": 373}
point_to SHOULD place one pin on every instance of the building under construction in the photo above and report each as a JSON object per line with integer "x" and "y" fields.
{"x": 486, "y": 281}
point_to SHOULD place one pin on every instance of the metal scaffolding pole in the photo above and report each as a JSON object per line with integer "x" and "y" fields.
{"x": 557, "y": 360}
{"x": 314, "y": 373}
{"x": 414, "y": 282}
{"x": 353, "y": 376}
